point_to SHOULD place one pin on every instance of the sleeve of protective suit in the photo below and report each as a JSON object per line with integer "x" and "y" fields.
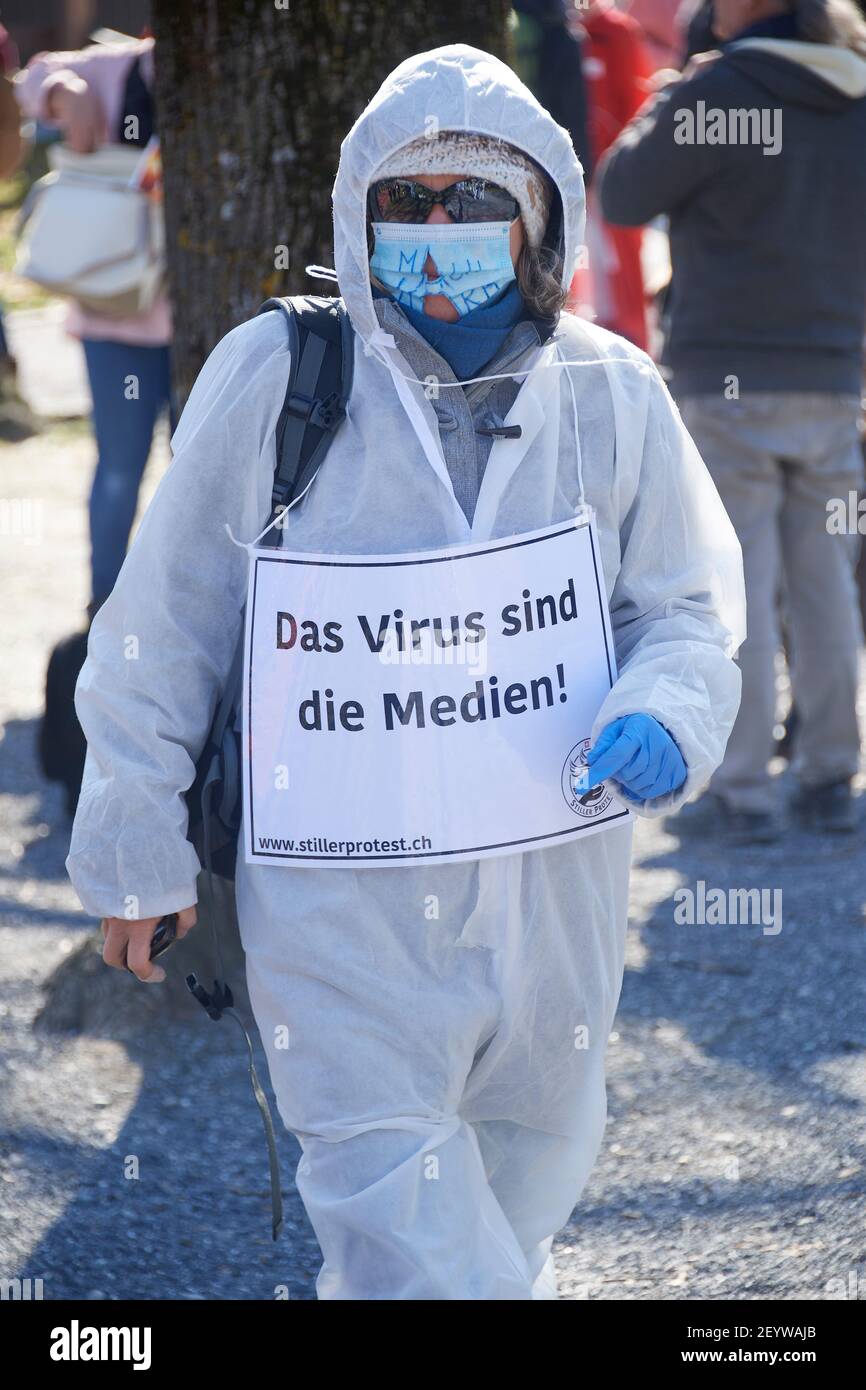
{"x": 677, "y": 606}
{"x": 161, "y": 646}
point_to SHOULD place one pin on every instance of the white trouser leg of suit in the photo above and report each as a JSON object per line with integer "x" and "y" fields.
{"x": 390, "y": 1046}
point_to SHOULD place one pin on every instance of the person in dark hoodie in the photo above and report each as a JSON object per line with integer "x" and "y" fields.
{"x": 756, "y": 155}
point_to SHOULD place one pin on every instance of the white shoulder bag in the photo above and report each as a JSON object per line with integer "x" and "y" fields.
{"x": 87, "y": 232}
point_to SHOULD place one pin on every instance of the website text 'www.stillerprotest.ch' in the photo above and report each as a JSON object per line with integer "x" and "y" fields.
{"x": 320, "y": 845}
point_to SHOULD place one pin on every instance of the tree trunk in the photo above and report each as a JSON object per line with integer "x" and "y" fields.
{"x": 253, "y": 100}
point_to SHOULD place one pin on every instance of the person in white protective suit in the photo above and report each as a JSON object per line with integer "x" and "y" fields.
{"x": 448, "y": 1121}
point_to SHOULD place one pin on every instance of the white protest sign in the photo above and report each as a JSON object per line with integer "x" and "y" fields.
{"x": 427, "y": 707}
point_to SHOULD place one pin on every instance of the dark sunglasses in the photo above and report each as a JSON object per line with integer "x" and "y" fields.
{"x": 467, "y": 200}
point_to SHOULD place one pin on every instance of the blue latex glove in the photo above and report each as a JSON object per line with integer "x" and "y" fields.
{"x": 639, "y": 755}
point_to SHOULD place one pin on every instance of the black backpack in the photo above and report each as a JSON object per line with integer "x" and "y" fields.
{"x": 320, "y": 380}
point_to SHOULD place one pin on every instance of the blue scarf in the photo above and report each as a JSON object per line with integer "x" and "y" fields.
{"x": 473, "y": 339}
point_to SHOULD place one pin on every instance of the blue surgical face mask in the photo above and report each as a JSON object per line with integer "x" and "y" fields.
{"x": 473, "y": 260}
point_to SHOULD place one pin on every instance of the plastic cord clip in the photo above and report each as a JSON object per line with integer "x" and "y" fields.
{"x": 328, "y": 412}
{"x": 325, "y": 412}
{"x": 501, "y": 431}
{"x": 215, "y": 1003}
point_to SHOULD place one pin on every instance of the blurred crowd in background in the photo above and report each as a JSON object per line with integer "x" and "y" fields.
{"x": 704, "y": 271}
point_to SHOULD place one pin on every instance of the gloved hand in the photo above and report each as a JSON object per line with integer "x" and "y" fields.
{"x": 639, "y": 755}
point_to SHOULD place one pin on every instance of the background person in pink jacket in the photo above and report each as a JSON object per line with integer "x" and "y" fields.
{"x": 88, "y": 96}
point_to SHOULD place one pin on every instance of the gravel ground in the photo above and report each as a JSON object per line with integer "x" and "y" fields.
{"x": 732, "y": 1166}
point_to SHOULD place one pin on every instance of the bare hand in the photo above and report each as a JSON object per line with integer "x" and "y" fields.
{"x": 76, "y": 109}
{"x": 698, "y": 62}
{"x": 127, "y": 944}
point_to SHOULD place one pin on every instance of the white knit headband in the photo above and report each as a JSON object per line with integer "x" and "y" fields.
{"x": 462, "y": 153}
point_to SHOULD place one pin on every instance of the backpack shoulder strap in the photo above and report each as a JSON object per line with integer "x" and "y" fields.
{"x": 320, "y": 380}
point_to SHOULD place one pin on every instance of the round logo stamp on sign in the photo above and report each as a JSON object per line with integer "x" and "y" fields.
{"x": 584, "y": 801}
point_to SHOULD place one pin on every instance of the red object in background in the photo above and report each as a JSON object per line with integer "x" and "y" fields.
{"x": 620, "y": 71}
{"x": 662, "y": 30}
{"x": 617, "y": 71}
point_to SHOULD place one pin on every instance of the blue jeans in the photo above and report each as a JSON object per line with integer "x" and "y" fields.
{"x": 130, "y": 386}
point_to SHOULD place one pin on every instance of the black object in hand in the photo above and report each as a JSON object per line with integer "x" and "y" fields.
{"x": 164, "y": 936}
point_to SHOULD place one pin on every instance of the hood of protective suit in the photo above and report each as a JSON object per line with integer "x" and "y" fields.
{"x": 450, "y": 88}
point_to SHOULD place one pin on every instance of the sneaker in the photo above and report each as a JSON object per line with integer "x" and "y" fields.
{"x": 711, "y": 815}
{"x": 828, "y": 808}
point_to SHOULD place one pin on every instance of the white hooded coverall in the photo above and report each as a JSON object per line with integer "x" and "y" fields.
{"x": 436, "y": 1074}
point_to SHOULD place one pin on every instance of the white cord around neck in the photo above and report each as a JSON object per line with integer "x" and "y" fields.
{"x": 581, "y": 498}
{"x": 380, "y": 339}
{"x": 277, "y": 520}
